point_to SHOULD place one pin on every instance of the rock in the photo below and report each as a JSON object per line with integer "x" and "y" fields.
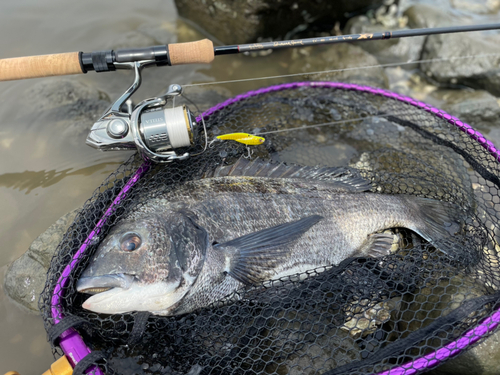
{"x": 204, "y": 97}
{"x": 476, "y": 107}
{"x": 295, "y": 353}
{"x": 163, "y": 33}
{"x": 345, "y": 57}
{"x": 481, "y": 72}
{"x": 494, "y": 136}
{"x": 132, "y": 39}
{"x": 386, "y": 51}
{"x": 409, "y": 83}
{"x": 477, "y": 6}
{"x": 55, "y": 93}
{"x": 237, "y": 22}
{"x": 482, "y": 359}
{"x": 71, "y": 107}
{"x": 25, "y": 278}
{"x": 313, "y": 154}
{"x": 146, "y": 35}
{"x": 387, "y": 15}
{"x": 366, "y": 317}
{"x": 424, "y": 16}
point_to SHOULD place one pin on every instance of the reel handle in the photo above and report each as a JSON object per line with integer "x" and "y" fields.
{"x": 40, "y": 66}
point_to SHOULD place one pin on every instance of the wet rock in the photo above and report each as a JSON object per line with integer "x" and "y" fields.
{"x": 236, "y": 22}
{"x": 323, "y": 349}
{"x": 54, "y": 93}
{"x": 477, "y": 70}
{"x": 477, "y": 6}
{"x": 409, "y": 83}
{"x": 313, "y": 154}
{"x": 328, "y": 352}
{"x": 145, "y": 35}
{"x": 386, "y": 51}
{"x": 132, "y": 39}
{"x": 424, "y": 16}
{"x": 478, "y": 108}
{"x": 25, "y": 278}
{"x": 482, "y": 359}
{"x": 494, "y": 136}
{"x": 163, "y": 33}
{"x": 71, "y": 107}
{"x": 387, "y": 15}
{"x": 345, "y": 63}
{"x": 204, "y": 97}
{"x": 443, "y": 297}
{"x": 366, "y": 317}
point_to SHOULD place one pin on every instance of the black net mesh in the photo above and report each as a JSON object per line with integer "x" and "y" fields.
{"x": 362, "y": 316}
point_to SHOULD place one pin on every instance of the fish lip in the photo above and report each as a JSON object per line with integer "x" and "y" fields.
{"x": 103, "y": 283}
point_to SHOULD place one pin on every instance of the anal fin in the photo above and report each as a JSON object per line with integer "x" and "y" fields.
{"x": 377, "y": 245}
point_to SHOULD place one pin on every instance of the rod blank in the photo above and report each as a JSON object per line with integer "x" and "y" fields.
{"x": 224, "y": 50}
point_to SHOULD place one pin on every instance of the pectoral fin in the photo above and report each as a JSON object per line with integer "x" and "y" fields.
{"x": 256, "y": 253}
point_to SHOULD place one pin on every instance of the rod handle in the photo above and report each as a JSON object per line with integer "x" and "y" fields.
{"x": 199, "y": 52}
{"x": 40, "y": 66}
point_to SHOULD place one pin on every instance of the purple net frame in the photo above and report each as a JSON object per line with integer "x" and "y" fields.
{"x": 75, "y": 348}
{"x": 71, "y": 342}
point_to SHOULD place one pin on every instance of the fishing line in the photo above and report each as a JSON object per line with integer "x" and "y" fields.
{"x": 347, "y": 121}
{"x": 203, "y": 122}
{"x": 325, "y": 124}
{"x": 389, "y": 65}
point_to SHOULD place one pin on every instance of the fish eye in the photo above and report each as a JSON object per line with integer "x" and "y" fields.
{"x": 130, "y": 242}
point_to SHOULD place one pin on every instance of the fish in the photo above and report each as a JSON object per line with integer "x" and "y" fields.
{"x": 246, "y": 224}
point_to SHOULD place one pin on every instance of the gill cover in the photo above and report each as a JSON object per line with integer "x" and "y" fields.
{"x": 164, "y": 267}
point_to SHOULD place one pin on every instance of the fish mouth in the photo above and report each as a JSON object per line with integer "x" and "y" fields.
{"x": 99, "y": 284}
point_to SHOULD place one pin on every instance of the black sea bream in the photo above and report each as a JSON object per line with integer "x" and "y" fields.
{"x": 246, "y": 224}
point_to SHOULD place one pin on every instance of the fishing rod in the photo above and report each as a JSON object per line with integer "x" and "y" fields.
{"x": 156, "y": 130}
{"x": 199, "y": 52}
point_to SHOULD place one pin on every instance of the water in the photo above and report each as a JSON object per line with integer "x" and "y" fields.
{"x": 46, "y": 170}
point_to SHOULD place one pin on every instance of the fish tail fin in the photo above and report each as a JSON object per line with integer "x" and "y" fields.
{"x": 440, "y": 224}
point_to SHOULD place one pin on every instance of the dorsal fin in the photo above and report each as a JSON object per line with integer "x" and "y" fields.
{"x": 343, "y": 178}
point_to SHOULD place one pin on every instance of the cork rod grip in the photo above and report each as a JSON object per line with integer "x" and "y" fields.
{"x": 40, "y": 66}
{"x": 199, "y": 52}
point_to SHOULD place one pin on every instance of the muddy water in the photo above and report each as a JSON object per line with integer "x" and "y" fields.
{"x": 46, "y": 170}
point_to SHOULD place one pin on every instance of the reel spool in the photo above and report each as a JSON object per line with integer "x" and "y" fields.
{"x": 154, "y": 130}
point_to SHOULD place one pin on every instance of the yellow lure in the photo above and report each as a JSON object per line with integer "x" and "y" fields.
{"x": 246, "y": 139}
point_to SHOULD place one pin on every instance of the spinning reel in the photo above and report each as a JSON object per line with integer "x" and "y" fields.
{"x": 156, "y": 131}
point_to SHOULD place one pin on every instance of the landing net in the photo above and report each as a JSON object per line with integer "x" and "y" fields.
{"x": 400, "y": 314}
